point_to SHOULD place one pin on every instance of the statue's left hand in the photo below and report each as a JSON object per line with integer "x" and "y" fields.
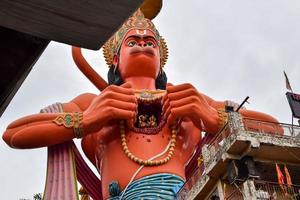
{"x": 184, "y": 101}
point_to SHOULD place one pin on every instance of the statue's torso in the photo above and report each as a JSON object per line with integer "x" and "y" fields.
{"x": 114, "y": 165}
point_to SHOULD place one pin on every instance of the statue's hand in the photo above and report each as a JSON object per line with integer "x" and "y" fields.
{"x": 115, "y": 102}
{"x": 185, "y": 101}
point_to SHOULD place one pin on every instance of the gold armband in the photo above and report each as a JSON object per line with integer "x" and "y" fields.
{"x": 223, "y": 118}
{"x": 71, "y": 120}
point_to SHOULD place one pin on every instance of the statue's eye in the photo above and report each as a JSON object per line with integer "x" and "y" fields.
{"x": 150, "y": 44}
{"x": 132, "y": 43}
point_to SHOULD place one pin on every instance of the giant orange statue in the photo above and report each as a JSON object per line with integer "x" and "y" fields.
{"x": 140, "y": 132}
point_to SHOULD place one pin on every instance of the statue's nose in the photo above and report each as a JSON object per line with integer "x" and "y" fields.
{"x": 142, "y": 43}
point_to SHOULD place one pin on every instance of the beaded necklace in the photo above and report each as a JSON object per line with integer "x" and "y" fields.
{"x": 174, "y": 131}
{"x": 148, "y": 97}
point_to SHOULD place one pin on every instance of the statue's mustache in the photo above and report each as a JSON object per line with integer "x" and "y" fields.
{"x": 144, "y": 50}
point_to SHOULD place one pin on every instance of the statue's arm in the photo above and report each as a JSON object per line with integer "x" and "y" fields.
{"x": 115, "y": 102}
{"x": 39, "y": 130}
{"x": 219, "y": 104}
{"x": 184, "y": 101}
{"x": 272, "y": 125}
{"x": 244, "y": 112}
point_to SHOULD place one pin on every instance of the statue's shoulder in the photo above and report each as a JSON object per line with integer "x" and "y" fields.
{"x": 83, "y": 100}
{"x": 84, "y": 97}
{"x": 78, "y": 104}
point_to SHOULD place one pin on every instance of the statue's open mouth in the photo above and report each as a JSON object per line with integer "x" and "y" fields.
{"x": 149, "y": 119}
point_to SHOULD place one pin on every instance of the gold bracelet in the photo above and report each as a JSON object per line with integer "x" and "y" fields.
{"x": 71, "y": 120}
{"x": 223, "y": 118}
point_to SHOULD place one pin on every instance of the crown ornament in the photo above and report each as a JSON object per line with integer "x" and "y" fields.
{"x": 136, "y": 21}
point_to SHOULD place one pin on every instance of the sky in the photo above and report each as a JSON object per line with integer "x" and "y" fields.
{"x": 227, "y": 49}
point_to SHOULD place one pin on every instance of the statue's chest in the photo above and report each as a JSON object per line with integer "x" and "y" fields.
{"x": 146, "y": 139}
{"x": 161, "y": 137}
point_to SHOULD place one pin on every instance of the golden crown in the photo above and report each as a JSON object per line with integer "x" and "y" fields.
{"x": 136, "y": 21}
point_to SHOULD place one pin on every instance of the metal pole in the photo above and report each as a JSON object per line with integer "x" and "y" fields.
{"x": 241, "y": 105}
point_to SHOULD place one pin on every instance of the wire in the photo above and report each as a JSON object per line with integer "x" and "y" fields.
{"x": 244, "y": 196}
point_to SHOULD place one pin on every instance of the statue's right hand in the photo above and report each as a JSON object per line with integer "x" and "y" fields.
{"x": 115, "y": 102}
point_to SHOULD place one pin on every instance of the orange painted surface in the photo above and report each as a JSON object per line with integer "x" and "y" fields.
{"x": 139, "y": 65}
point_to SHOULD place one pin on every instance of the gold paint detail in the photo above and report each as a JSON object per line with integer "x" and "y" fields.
{"x": 151, "y": 8}
{"x": 71, "y": 120}
{"x": 139, "y": 22}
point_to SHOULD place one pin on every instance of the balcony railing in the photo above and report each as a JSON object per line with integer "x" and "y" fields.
{"x": 270, "y": 190}
{"x": 265, "y": 190}
{"x": 235, "y": 194}
{"x": 183, "y": 192}
{"x": 271, "y": 127}
{"x": 218, "y": 140}
{"x": 252, "y": 125}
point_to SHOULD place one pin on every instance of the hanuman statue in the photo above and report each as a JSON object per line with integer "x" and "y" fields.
{"x": 141, "y": 131}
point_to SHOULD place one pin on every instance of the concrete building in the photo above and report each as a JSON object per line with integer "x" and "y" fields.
{"x": 240, "y": 163}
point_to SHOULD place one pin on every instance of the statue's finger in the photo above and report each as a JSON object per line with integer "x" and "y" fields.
{"x": 105, "y": 106}
{"x": 182, "y": 94}
{"x": 167, "y": 113}
{"x": 173, "y": 116}
{"x": 190, "y": 111}
{"x": 176, "y": 88}
{"x": 119, "y": 89}
{"x": 110, "y": 95}
{"x": 126, "y": 85}
{"x": 185, "y": 101}
{"x": 165, "y": 106}
{"x": 121, "y": 114}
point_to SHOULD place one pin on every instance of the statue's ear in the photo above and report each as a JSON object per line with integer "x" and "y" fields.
{"x": 115, "y": 60}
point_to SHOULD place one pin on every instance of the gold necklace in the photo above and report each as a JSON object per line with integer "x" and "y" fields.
{"x": 140, "y": 161}
{"x": 149, "y": 96}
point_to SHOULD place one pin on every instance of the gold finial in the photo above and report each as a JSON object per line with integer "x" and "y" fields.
{"x": 151, "y": 8}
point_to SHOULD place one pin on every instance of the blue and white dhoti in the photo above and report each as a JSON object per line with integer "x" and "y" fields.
{"x": 156, "y": 186}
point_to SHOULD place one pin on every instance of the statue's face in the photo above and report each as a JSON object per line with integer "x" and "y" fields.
{"x": 139, "y": 55}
